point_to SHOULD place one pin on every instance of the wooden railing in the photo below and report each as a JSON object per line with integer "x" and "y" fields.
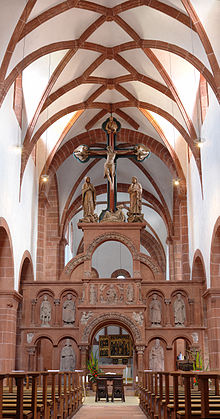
{"x": 41, "y": 394}
{"x": 179, "y": 394}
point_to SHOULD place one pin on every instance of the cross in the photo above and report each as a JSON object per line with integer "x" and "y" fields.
{"x": 112, "y": 153}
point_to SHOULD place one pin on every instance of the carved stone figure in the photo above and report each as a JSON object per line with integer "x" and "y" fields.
{"x": 138, "y": 317}
{"x": 45, "y": 312}
{"x": 88, "y": 202}
{"x": 179, "y": 311}
{"x": 111, "y": 295}
{"x": 111, "y": 125}
{"x": 156, "y": 357}
{"x": 141, "y": 152}
{"x": 86, "y": 316}
{"x": 135, "y": 191}
{"x": 130, "y": 294}
{"x": 93, "y": 294}
{"x": 109, "y": 166}
{"x": 155, "y": 311}
{"x": 69, "y": 311}
{"x": 81, "y": 152}
{"x": 116, "y": 217}
{"x": 67, "y": 357}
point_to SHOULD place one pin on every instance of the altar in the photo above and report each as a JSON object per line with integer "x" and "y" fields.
{"x": 116, "y": 369}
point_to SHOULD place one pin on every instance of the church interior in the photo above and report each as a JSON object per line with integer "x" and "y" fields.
{"x": 110, "y": 193}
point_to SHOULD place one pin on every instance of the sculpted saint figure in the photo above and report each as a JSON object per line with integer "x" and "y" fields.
{"x": 179, "y": 311}
{"x": 45, "y": 312}
{"x": 88, "y": 202}
{"x": 93, "y": 295}
{"x": 135, "y": 191}
{"x": 111, "y": 125}
{"x": 111, "y": 295}
{"x": 109, "y": 166}
{"x": 67, "y": 357}
{"x": 155, "y": 311}
{"x": 156, "y": 357}
{"x": 69, "y": 311}
{"x": 130, "y": 293}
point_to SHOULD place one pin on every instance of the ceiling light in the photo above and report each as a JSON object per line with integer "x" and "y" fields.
{"x": 176, "y": 182}
{"x": 45, "y": 177}
{"x": 199, "y": 142}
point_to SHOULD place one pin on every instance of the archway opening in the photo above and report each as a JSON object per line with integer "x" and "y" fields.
{"x": 6, "y": 262}
{"x": 215, "y": 260}
{"x": 181, "y": 352}
{"x": 112, "y": 256}
{"x": 113, "y": 345}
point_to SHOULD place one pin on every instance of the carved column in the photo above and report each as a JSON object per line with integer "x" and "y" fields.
{"x": 33, "y": 305}
{"x": 83, "y": 356}
{"x": 137, "y": 295}
{"x": 57, "y": 304}
{"x": 140, "y": 357}
{"x": 167, "y": 302}
{"x": 191, "y": 311}
{"x": 86, "y": 288}
{"x": 169, "y": 242}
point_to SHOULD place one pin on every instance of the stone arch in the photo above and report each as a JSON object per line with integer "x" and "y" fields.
{"x": 111, "y": 237}
{"x": 121, "y": 272}
{"x": 198, "y": 268}
{"x": 215, "y": 256}
{"x": 6, "y": 257}
{"x": 26, "y": 269}
{"x": 125, "y": 321}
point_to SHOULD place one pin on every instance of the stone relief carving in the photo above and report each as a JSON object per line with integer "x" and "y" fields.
{"x": 179, "y": 311}
{"x": 45, "y": 312}
{"x": 111, "y": 295}
{"x": 69, "y": 310}
{"x": 30, "y": 337}
{"x": 156, "y": 357}
{"x": 86, "y": 316}
{"x": 195, "y": 337}
{"x": 155, "y": 311}
{"x": 93, "y": 294}
{"x": 112, "y": 316}
{"x": 138, "y": 317}
{"x": 130, "y": 294}
{"x": 67, "y": 357}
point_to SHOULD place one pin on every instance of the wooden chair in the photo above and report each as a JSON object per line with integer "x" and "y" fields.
{"x": 101, "y": 389}
{"x": 118, "y": 389}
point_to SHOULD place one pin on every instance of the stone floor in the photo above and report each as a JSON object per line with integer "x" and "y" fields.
{"x": 116, "y": 410}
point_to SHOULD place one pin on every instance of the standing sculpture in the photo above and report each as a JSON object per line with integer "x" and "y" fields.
{"x": 109, "y": 166}
{"x": 179, "y": 311}
{"x": 130, "y": 294}
{"x": 135, "y": 192}
{"x": 67, "y": 357}
{"x": 45, "y": 312}
{"x": 69, "y": 311}
{"x": 88, "y": 202}
{"x": 155, "y": 311}
{"x": 156, "y": 357}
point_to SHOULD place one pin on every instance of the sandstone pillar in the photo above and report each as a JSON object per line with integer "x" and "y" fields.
{"x": 8, "y": 319}
{"x": 140, "y": 357}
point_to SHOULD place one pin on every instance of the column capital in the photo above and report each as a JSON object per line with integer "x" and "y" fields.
{"x": 56, "y": 301}
{"x": 140, "y": 348}
{"x": 167, "y": 301}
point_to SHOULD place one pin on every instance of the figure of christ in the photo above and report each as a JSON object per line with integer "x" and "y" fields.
{"x": 109, "y": 166}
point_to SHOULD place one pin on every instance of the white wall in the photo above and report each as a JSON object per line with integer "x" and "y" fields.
{"x": 21, "y": 215}
{"x": 204, "y": 211}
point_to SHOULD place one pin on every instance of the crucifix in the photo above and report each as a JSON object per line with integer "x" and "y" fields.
{"x": 112, "y": 153}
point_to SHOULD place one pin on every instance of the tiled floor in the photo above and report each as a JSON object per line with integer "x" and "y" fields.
{"x": 116, "y": 410}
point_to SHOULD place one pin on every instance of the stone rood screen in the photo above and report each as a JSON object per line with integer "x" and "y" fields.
{"x": 111, "y": 153}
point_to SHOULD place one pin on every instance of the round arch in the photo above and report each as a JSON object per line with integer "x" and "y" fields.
{"x": 107, "y": 318}
{"x": 215, "y": 256}
{"x": 6, "y": 255}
